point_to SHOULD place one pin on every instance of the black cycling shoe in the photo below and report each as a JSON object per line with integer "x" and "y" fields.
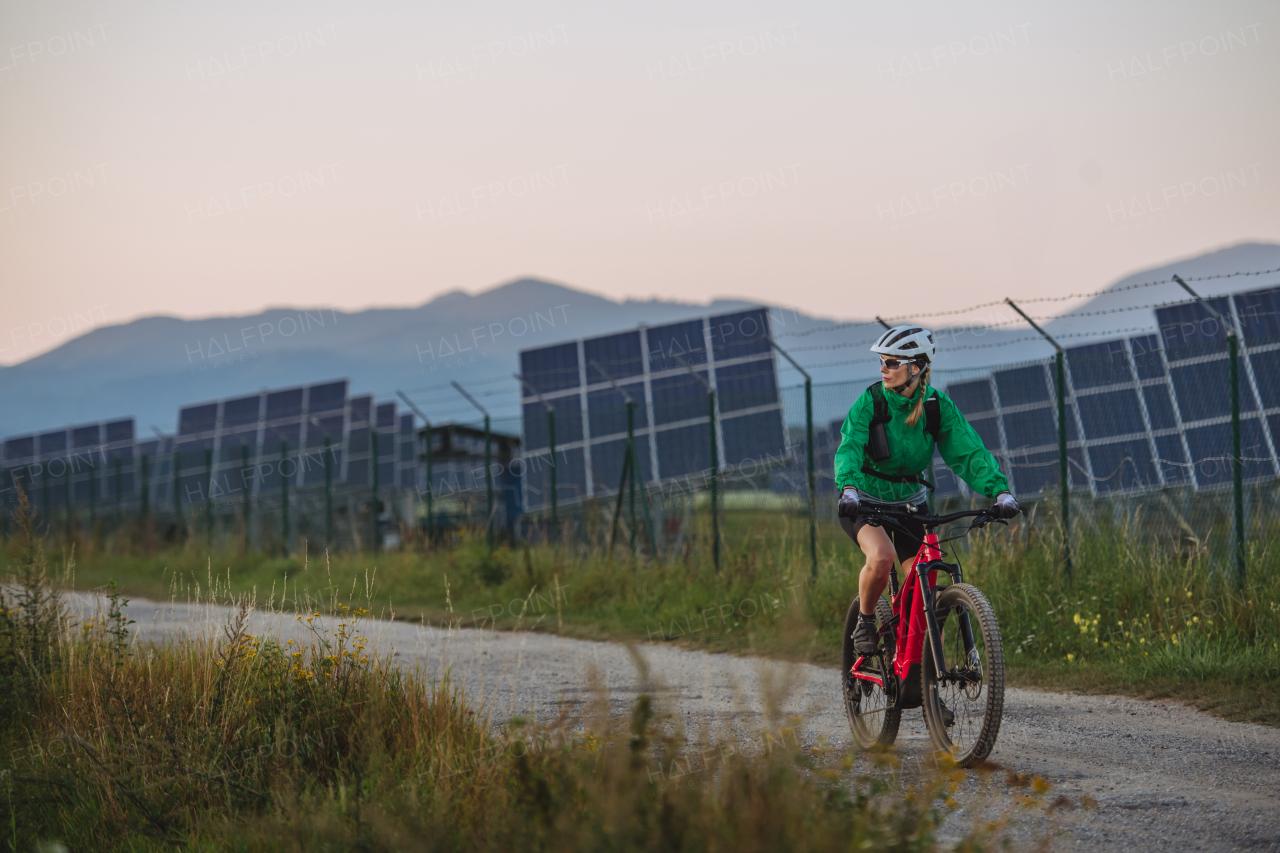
{"x": 948, "y": 716}
{"x": 866, "y": 640}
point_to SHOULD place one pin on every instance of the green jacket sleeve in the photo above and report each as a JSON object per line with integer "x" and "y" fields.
{"x": 962, "y": 449}
{"x": 853, "y": 443}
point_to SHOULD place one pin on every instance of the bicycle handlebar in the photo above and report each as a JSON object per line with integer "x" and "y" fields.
{"x": 927, "y": 520}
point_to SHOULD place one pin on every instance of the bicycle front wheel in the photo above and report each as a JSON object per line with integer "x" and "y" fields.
{"x": 963, "y": 708}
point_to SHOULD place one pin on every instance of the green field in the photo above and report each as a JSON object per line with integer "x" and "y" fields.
{"x": 1131, "y": 619}
{"x": 240, "y": 743}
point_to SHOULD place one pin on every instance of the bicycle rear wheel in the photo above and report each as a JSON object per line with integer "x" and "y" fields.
{"x": 963, "y": 709}
{"x": 868, "y": 705}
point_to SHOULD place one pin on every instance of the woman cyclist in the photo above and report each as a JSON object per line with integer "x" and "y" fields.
{"x": 887, "y": 441}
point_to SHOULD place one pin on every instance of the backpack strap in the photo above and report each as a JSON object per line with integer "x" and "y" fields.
{"x": 877, "y": 447}
{"x": 933, "y": 416}
{"x": 880, "y": 416}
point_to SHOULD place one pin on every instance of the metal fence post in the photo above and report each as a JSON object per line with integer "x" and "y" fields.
{"x": 426, "y": 431}
{"x": 1064, "y": 478}
{"x": 284, "y": 498}
{"x": 373, "y": 503}
{"x": 93, "y": 497}
{"x": 715, "y": 476}
{"x": 488, "y": 470}
{"x": 1237, "y": 466}
{"x": 208, "y": 495}
{"x": 431, "y": 517}
{"x": 66, "y": 506}
{"x": 244, "y": 469}
{"x": 145, "y": 506}
{"x": 328, "y": 492}
{"x": 1237, "y": 462}
{"x": 179, "y": 521}
{"x": 808, "y": 440}
{"x": 631, "y": 483}
{"x": 119, "y": 496}
{"x": 44, "y": 495}
{"x": 1064, "y": 481}
{"x": 488, "y": 478}
{"x": 555, "y": 486}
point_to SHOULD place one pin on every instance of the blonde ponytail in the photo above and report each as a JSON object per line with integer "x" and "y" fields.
{"x": 917, "y": 411}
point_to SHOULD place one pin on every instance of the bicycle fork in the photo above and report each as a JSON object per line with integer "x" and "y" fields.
{"x": 928, "y": 597}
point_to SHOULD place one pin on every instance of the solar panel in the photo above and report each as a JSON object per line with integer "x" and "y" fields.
{"x": 328, "y": 397}
{"x": 745, "y": 333}
{"x": 621, "y": 357}
{"x": 242, "y": 411}
{"x": 568, "y": 422}
{"x": 119, "y": 431}
{"x": 684, "y": 451}
{"x": 21, "y": 448}
{"x": 668, "y": 344}
{"x": 284, "y": 404}
{"x": 1097, "y": 365}
{"x": 1123, "y": 466}
{"x": 607, "y": 410}
{"x": 972, "y": 398}
{"x": 1111, "y": 413}
{"x": 746, "y": 386}
{"x": 1189, "y": 326}
{"x": 1204, "y": 390}
{"x": 606, "y": 463}
{"x": 86, "y": 436}
{"x": 753, "y": 439}
{"x": 197, "y": 419}
{"x": 49, "y": 443}
{"x": 551, "y": 368}
{"x": 1032, "y": 428}
{"x": 1211, "y": 454}
{"x": 988, "y": 430}
{"x": 1266, "y": 369}
{"x": 679, "y": 397}
{"x": 1033, "y": 472}
{"x": 1022, "y": 385}
{"x": 1148, "y": 361}
{"x": 1159, "y": 406}
{"x": 1259, "y": 314}
{"x": 1172, "y": 459}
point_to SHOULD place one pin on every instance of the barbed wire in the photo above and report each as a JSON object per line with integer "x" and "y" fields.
{"x": 1105, "y": 291}
{"x": 853, "y": 324}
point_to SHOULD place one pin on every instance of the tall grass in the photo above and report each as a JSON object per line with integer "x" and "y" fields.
{"x": 1141, "y": 613}
{"x": 242, "y": 742}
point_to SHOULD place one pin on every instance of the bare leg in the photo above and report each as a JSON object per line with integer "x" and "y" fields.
{"x": 878, "y": 548}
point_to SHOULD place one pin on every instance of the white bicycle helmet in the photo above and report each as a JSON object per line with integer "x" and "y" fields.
{"x": 906, "y": 341}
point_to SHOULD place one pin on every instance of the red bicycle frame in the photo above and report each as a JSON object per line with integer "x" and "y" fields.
{"x": 910, "y": 649}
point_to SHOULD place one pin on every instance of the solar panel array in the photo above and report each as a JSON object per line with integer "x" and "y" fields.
{"x": 1143, "y": 412}
{"x": 651, "y": 365}
{"x": 72, "y": 466}
{"x": 223, "y": 449}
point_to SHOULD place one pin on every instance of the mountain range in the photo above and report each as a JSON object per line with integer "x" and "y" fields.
{"x": 148, "y": 368}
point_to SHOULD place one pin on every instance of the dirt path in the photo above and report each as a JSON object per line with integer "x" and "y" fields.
{"x": 1162, "y": 774}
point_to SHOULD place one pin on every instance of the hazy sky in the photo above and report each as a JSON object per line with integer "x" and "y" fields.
{"x": 844, "y": 159}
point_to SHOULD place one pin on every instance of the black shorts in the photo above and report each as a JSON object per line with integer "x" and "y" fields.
{"x": 905, "y": 547}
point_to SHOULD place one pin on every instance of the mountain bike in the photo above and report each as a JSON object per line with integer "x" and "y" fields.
{"x": 937, "y": 648}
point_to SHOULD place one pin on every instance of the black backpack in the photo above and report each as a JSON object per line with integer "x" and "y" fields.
{"x": 878, "y": 441}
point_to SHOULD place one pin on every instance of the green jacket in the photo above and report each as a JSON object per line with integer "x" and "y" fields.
{"x": 912, "y": 449}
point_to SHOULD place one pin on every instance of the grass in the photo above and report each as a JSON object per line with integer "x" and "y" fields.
{"x": 1134, "y": 618}
{"x": 237, "y": 742}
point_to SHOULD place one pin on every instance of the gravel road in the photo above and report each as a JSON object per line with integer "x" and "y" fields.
{"x": 1162, "y": 774}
